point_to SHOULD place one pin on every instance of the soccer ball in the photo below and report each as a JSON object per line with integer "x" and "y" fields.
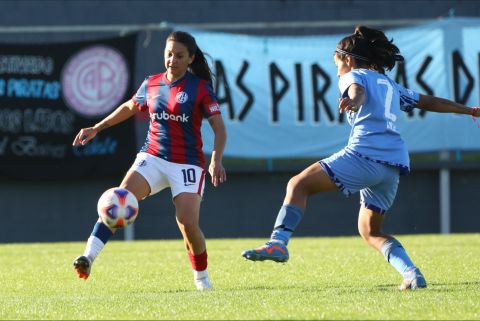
{"x": 117, "y": 207}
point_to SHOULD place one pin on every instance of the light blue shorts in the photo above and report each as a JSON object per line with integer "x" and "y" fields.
{"x": 377, "y": 183}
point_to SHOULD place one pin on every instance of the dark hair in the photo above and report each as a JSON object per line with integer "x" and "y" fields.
{"x": 199, "y": 65}
{"x": 371, "y": 48}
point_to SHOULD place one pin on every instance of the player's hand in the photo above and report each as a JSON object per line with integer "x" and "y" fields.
{"x": 217, "y": 172}
{"x": 345, "y": 104}
{"x": 84, "y": 136}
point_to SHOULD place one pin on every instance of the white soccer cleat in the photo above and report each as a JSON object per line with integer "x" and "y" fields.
{"x": 203, "y": 284}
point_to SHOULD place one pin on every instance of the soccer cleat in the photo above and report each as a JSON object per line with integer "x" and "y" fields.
{"x": 82, "y": 265}
{"x": 413, "y": 279}
{"x": 272, "y": 251}
{"x": 203, "y": 284}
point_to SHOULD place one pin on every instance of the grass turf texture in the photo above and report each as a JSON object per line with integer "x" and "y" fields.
{"x": 326, "y": 278}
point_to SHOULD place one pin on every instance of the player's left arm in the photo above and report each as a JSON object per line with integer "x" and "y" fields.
{"x": 216, "y": 169}
{"x": 442, "y": 105}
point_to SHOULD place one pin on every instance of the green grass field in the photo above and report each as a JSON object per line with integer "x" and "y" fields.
{"x": 326, "y": 278}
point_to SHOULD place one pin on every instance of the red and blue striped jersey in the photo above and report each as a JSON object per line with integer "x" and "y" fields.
{"x": 176, "y": 112}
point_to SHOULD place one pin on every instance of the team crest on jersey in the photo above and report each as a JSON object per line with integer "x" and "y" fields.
{"x": 181, "y": 97}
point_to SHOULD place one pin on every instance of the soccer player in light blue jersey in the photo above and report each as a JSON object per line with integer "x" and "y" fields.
{"x": 374, "y": 158}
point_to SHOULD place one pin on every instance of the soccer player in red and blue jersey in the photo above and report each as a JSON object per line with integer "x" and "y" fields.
{"x": 177, "y": 101}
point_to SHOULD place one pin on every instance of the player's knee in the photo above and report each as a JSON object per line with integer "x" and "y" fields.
{"x": 368, "y": 234}
{"x": 295, "y": 185}
{"x": 187, "y": 223}
{"x": 365, "y": 232}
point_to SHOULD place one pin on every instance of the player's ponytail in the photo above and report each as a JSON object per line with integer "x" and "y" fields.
{"x": 199, "y": 65}
{"x": 371, "y": 48}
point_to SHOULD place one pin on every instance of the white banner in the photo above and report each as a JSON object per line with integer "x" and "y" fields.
{"x": 278, "y": 95}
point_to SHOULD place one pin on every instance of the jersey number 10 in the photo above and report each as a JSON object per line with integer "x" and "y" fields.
{"x": 189, "y": 176}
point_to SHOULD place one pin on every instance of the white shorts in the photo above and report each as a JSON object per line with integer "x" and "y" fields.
{"x": 161, "y": 174}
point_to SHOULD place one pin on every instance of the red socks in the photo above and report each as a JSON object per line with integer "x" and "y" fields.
{"x": 199, "y": 261}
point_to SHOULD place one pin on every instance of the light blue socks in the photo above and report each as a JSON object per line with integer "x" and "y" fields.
{"x": 396, "y": 255}
{"x": 287, "y": 220}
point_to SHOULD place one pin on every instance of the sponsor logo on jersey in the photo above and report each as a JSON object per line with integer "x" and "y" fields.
{"x": 167, "y": 116}
{"x": 214, "y": 108}
{"x": 181, "y": 97}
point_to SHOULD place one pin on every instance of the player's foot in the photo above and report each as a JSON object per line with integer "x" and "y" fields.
{"x": 82, "y": 265}
{"x": 273, "y": 251}
{"x": 413, "y": 279}
{"x": 203, "y": 284}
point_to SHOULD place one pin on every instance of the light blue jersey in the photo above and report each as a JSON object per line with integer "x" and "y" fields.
{"x": 374, "y": 133}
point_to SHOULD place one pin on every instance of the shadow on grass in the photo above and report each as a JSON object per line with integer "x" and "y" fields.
{"x": 303, "y": 288}
{"x": 340, "y": 289}
{"x": 439, "y": 287}
{"x": 165, "y": 291}
{"x": 392, "y": 287}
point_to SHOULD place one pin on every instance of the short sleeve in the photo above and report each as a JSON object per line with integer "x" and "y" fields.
{"x": 408, "y": 98}
{"x": 347, "y": 80}
{"x": 209, "y": 101}
{"x": 140, "y": 97}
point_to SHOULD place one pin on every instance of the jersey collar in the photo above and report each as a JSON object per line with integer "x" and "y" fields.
{"x": 173, "y": 83}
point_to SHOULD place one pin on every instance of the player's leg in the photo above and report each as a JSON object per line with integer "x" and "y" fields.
{"x": 101, "y": 233}
{"x": 187, "y": 183}
{"x": 310, "y": 181}
{"x": 370, "y": 228}
{"x": 187, "y": 211}
{"x": 376, "y": 200}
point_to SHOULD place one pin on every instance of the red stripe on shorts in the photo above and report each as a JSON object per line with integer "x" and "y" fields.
{"x": 202, "y": 179}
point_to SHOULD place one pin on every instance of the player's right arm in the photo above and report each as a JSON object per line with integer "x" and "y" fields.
{"x": 122, "y": 113}
{"x": 354, "y": 99}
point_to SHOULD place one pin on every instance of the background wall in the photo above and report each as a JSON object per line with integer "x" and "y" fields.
{"x": 248, "y": 203}
{"x": 246, "y": 206}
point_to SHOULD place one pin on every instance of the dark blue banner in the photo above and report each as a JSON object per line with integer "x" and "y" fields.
{"x": 48, "y": 92}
